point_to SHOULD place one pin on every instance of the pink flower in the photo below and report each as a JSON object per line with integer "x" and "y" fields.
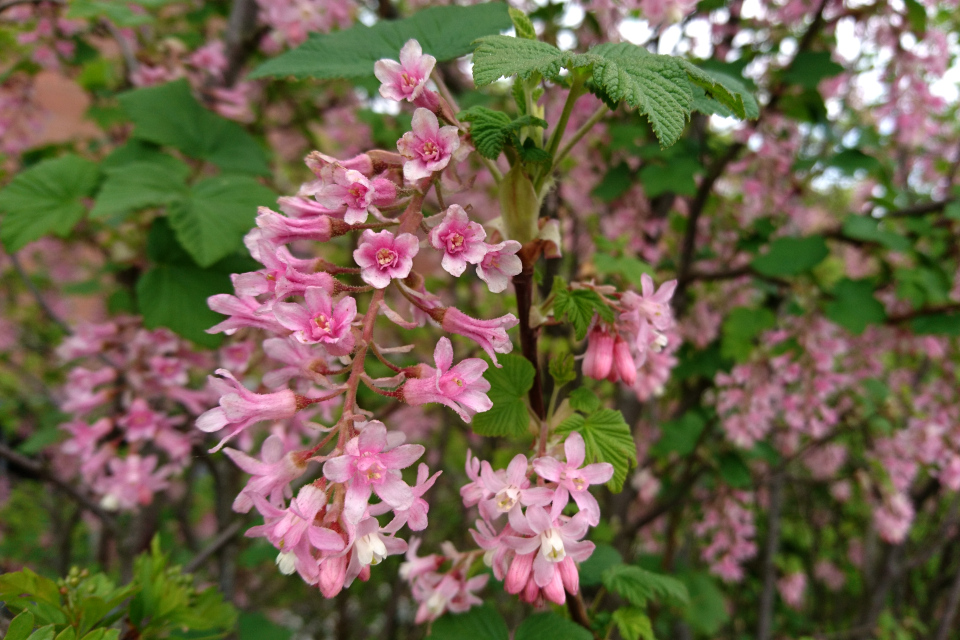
{"x": 241, "y": 408}
{"x": 370, "y": 547}
{"x": 408, "y": 79}
{"x": 491, "y": 335}
{"x": 556, "y": 546}
{"x": 271, "y": 475}
{"x": 499, "y": 264}
{"x": 383, "y": 256}
{"x": 140, "y": 422}
{"x": 300, "y": 207}
{"x": 654, "y": 304}
{"x": 509, "y": 489}
{"x": 414, "y": 517}
{"x": 319, "y": 162}
{"x": 371, "y": 464}
{"x": 132, "y": 481}
{"x": 320, "y": 321}
{"x": 791, "y": 588}
{"x": 462, "y": 388}
{"x": 84, "y": 437}
{"x": 429, "y": 147}
{"x": 460, "y": 240}
{"x": 571, "y": 479}
{"x": 243, "y": 311}
{"x": 598, "y": 360}
{"x": 352, "y": 190}
{"x": 280, "y": 229}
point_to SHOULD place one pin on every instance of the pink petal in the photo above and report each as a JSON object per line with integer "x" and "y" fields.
{"x": 395, "y": 492}
{"x": 402, "y": 457}
{"x": 597, "y": 473}
{"x": 575, "y": 450}
{"x": 339, "y": 469}
{"x": 549, "y": 468}
{"x": 443, "y": 354}
{"x": 538, "y": 519}
{"x": 543, "y": 570}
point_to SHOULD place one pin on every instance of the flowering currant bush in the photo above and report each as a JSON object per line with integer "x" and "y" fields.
{"x": 629, "y": 319}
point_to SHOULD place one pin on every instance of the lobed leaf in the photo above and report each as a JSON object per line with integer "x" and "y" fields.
{"x": 479, "y": 623}
{"x": 638, "y": 586}
{"x": 552, "y": 626}
{"x": 509, "y": 386}
{"x": 140, "y": 185}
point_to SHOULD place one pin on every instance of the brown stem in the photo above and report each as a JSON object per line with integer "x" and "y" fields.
{"x": 523, "y": 284}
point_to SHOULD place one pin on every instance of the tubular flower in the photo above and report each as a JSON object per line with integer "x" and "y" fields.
{"x": 573, "y": 480}
{"x": 461, "y": 387}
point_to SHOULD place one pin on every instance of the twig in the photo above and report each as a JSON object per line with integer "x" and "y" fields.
{"x": 38, "y": 469}
{"x": 597, "y": 116}
{"x": 241, "y": 38}
{"x": 223, "y": 538}
{"x": 129, "y": 59}
{"x": 953, "y": 601}
{"x": 772, "y": 544}
{"x": 35, "y": 292}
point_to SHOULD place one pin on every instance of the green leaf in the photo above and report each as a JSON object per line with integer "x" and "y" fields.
{"x": 509, "y": 386}
{"x": 638, "y": 586}
{"x": 67, "y": 634}
{"x": 562, "y": 369}
{"x": 503, "y": 56}
{"x": 445, "y": 32}
{"x": 850, "y": 161}
{"x": 707, "y": 612}
{"x": 578, "y": 305}
{"x": 491, "y": 130}
{"x": 602, "y": 558}
{"x": 479, "y": 623}
{"x": 44, "y": 633}
{"x": 169, "y": 115}
{"x": 522, "y": 24}
{"x": 633, "y": 624}
{"x": 680, "y": 435}
{"x": 584, "y": 400}
{"x": 608, "y": 439}
{"x": 629, "y": 268}
{"x": 548, "y": 625}
{"x": 656, "y": 85}
{"x": 256, "y": 626}
{"x": 118, "y": 13}
{"x": 616, "y": 182}
{"x": 20, "y": 627}
{"x": 854, "y": 306}
{"x": 734, "y": 471}
{"x": 677, "y": 177}
{"x": 791, "y": 256}
{"x": 810, "y": 67}
{"x": 868, "y": 229}
{"x": 211, "y": 222}
{"x": 741, "y": 328}
{"x": 140, "y": 185}
{"x": 46, "y": 198}
{"x": 723, "y": 91}
{"x": 175, "y": 296}
{"x": 943, "y": 324}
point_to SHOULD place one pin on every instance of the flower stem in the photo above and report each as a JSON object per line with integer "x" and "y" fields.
{"x": 597, "y": 116}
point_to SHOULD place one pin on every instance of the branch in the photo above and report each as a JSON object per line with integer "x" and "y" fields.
{"x": 223, "y": 538}
{"x": 765, "y": 622}
{"x": 241, "y": 38}
{"x": 953, "y": 601}
{"x": 40, "y": 470}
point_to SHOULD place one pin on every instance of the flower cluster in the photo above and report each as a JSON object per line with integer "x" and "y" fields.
{"x": 536, "y": 549}
{"x": 130, "y": 401}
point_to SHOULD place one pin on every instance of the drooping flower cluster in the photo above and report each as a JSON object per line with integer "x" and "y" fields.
{"x": 632, "y": 349}
{"x": 536, "y": 550}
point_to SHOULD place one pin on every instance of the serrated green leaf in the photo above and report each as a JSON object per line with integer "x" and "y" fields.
{"x": 677, "y": 176}
{"x": 631, "y": 269}
{"x": 256, "y": 626}
{"x": 616, "y": 182}
{"x": 509, "y": 386}
{"x": 679, "y": 436}
{"x": 168, "y": 114}
{"x": 175, "y": 296}
{"x": 20, "y": 627}
{"x": 503, "y": 56}
{"x": 741, "y": 328}
{"x": 118, "y": 13}
{"x": 522, "y": 24}
{"x": 562, "y": 369}
{"x": 578, "y": 306}
{"x": 707, "y": 612}
{"x": 656, "y": 85}
{"x": 445, "y": 32}
{"x": 633, "y": 624}
{"x": 46, "y": 198}
{"x": 491, "y": 130}
{"x": 211, "y": 221}
{"x": 791, "y": 256}
{"x": 734, "y": 471}
{"x": 639, "y": 586}
{"x": 479, "y": 623}
{"x": 854, "y": 306}
{"x": 548, "y": 625}
{"x": 584, "y": 400}
{"x": 608, "y": 439}
{"x": 724, "y": 90}
{"x": 142, "y": 184}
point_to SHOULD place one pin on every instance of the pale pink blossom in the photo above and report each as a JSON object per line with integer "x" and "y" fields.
{"x": 491, "y": 334}
{"x": 320, "y": 321}
{"x": 270, "y": 476}
{"x": 351, "y": 190}
{"x": 407, "y": 79}
{"x": 499, "y": 264}
{"x": 505, "y": 490}
{"x": 460, "y": 240}
{"x": 573, "y": 480}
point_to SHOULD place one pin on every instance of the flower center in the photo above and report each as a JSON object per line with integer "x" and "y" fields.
{"x": 579, "y": 484}
{"x": 323, "y": 323}
{"x": 370, "y": 549}
{"x": 407, "y": 80}
{"x": 430, "y": 149}
{"x": 386, "y": 257}
{"x": 507, "y": 498}
{"x": 455, "y": 242}
{"x": 371, "y": 469}
{"x": 358, "y": 192}
{"x": 551, "y": 545}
